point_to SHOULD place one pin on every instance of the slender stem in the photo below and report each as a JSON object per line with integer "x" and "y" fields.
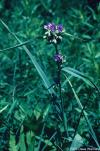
{"x": 60, "y": 91}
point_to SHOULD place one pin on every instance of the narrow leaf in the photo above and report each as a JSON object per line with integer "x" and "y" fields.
{"x": 33, "y": 59}
{"x": 80, "y": 75}
{"x": 3, "y": 109}
{"x": 77, "y": 143}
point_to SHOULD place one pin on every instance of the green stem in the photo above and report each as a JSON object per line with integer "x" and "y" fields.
{"x": 60, "y": 91}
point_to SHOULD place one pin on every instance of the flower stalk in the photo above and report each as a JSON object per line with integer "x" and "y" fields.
{"x": 53, "y": 35}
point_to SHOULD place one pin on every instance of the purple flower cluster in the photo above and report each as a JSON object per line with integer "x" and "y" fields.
{"x": 53, "y": 33}
{"x": 58, "y": 58}
{"x": 53, "y": 28}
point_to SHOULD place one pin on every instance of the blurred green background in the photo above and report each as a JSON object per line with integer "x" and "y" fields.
{"x": 24, "y": 100}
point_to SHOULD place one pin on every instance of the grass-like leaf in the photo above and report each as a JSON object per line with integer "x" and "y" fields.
{"x": 16, "y": 46}
{"x": 77, "y": 143}
{"x": 12, "y": 143}
{"x": 85, "y": 114}
{"x": 80, "y": 75}
{"x": 4, "y": 108}
{"x": 33, "y": 59}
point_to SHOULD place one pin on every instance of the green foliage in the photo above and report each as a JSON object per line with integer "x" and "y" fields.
{"x": 30, "y": 108}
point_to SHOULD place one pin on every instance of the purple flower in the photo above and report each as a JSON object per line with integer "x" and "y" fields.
{"x": 60, "y": 28}
{"x": 46, "y": 27}
{"x": 58, "y": 58}
{"x": 50, "y": 26}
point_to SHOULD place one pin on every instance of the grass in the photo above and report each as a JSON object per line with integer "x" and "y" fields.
{"x": 37, "y": 112}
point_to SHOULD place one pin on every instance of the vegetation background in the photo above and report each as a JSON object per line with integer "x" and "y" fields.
{"x": 28, "y": 110}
